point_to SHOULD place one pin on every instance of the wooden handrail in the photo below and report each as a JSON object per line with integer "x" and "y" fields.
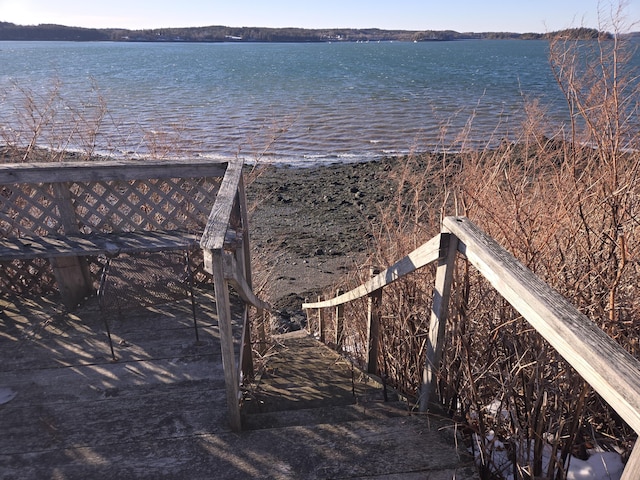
{"x": 232, "y": 273}
{"x": 420, "y": 257}
{"x": 216, "y": 228}
{"x": 52, "y": 172}
{"x": 605, "y": 365}
{"x": 231, "y": 267}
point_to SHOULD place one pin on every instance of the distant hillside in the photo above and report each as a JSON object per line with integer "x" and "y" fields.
{"x": 10, "y": 31}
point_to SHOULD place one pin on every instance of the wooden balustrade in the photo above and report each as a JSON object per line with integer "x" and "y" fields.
{"x": 231, "y": 267}
{"x": 605, "y": 365}
{"x": 54, "y": 217}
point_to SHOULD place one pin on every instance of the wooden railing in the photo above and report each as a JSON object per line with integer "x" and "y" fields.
{"x": 231, "y": 266}
{"x": 56, "y": 218}
{"x": 605, "y": 365}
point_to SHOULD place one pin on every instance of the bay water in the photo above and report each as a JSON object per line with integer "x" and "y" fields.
{"x": 296, "y": 103}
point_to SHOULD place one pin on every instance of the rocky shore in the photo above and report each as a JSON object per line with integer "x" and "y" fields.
{"x": 309, "y": 226}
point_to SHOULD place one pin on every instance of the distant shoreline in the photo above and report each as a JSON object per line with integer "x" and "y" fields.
{"x": 223, "y": 34}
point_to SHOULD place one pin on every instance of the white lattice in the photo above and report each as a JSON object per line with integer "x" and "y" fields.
{"x": 28, "y": 210}
{"x": 106, "y": 206}
{"x": 160, "y": 204}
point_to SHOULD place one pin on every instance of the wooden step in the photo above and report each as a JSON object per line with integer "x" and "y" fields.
{"x": 326, "y": 414}
{"x": 380, "y": 448}
{"x": 161, "y": 412}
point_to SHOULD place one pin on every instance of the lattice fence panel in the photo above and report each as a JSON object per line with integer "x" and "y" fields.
{"x": 27, "y": 276}
{"x": 28, "y": 210}
{"x": 108, "y": 206}
{"x": 159, "y": 204}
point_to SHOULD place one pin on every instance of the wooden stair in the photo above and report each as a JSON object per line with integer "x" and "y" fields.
{"x": 67, "y": 411}
{"x": 357, "y": 427}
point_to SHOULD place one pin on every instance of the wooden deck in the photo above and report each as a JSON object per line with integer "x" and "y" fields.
{"x": 160, "y": 411}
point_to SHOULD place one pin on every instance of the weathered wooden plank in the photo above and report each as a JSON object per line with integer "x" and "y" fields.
{"x": 111, "y": 415}
{"x": 231, "y": 378}
{"x": 604, "y": 364}
{"x": 233, "y": 273}
{"x": 243, "y": 256}
{"x": 86, "y": 382}
{"x": 96, "y": 244}
{"x": 72, "y": 273}
{"x": 31, "y": 339}
{"x": 374, "y": 303}
{"x": 632, "y": 467}
{"x": 65, "y": 207}
{"x": 246, "y": 351}
{"x": 72, "y": 283}
{"x": 93, "y": 350}
{"x": 380, "y": 448}
{"x": 109, "y": 170}
{"x": 438, "y": 318}
{"x": 216, "y": 228}
{"x": 421, "y": 256}
{"x": 246, "y": 246}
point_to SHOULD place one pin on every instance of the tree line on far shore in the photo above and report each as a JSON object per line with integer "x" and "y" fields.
{"x": 49, "y": 32}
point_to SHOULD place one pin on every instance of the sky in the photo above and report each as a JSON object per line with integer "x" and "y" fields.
{"x": 460, "y": 15}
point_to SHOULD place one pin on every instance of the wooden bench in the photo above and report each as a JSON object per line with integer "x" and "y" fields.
{"x": 95, "y": 244}
{"x": 66, "y": 212}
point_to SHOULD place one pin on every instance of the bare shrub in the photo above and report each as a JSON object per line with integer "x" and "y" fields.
{"x": 47, "y": 127}
{"x": 50, "y": 125}
{"x": 566, "y": 206}
{"x": 565, "y": 203}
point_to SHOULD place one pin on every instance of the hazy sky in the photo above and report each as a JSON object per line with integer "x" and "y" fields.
{"x": 460, "y": 15}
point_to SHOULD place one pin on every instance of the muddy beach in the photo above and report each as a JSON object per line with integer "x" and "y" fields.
{"x": 309, "y": 226}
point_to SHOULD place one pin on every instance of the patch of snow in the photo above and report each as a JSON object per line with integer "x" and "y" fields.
{"x": 495, "y": 408}
{"x": 6, "y": 395}
{"x": 599, "y": 466}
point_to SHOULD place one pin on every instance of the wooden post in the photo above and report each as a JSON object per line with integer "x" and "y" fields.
{"x": 72, "y": 273}
{"x": 308, "y": 314}
{"x": 439, "y": 311}
{"x": 246, "y": 365}
{"x": 373, "y": 326}
{"x": 321, "y": 323}
{"x": 246, "y": 251}
{"x": 339, "y": 323}
{"x": 73, "y": 284}
{"x": 231, "y": 379}
{"x": 243, "y": 257}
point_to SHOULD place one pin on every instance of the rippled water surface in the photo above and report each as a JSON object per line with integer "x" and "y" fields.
{"x": 318, "y": 101}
